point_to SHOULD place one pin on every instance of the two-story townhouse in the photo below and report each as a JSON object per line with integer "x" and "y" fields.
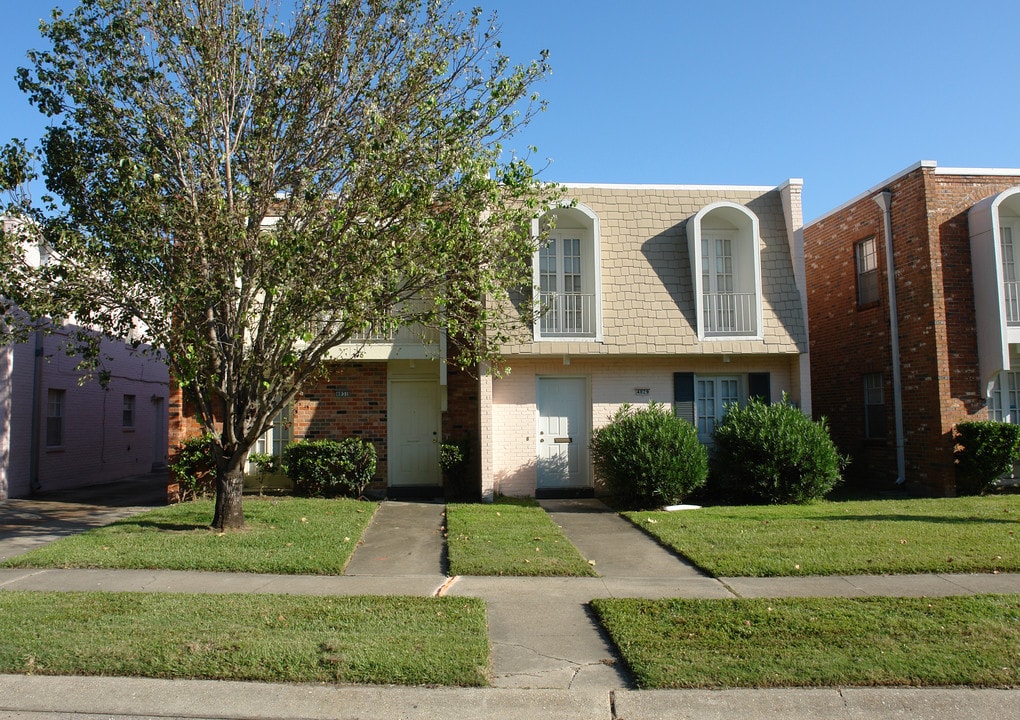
{"x": 691, "y": 296}
{"x": 915, "y": 319}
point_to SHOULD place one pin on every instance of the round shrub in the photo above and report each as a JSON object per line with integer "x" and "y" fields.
{"x": 327, "y": 468}
{"x": 774, "y": 454}
{"x": 985, "y": 451}
{"x": 194, "y": 467}
{"x": 648, "y": 457}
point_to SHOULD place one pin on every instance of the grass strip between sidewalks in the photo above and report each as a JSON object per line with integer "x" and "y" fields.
{"x": 947, "y": 535}
{"x": 283, "y": 535}
{"x": 509, "y": 537}
{"x": 267, "y": 638}
{"x": 973, "y": 641}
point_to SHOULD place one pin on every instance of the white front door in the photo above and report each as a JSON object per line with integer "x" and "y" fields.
{"x": 413, "y": 430}
{"x": 562, "y": 433}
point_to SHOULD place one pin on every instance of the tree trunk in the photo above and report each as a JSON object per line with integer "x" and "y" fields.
{"x": 229, "y": 512}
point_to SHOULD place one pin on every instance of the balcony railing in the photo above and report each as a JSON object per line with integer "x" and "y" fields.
{"x": 729, "y": 313}
{"x": 1011, "y": 291}
{"x": 567, "y": 315}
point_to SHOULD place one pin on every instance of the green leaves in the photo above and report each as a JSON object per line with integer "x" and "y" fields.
{"x": 250, "y": 187}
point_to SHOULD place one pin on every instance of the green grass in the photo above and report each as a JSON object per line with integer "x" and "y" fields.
{"x": 509, "y": 537}
{"x": 818, "y": 642}
{"x": 283, "y": 535}
{"x": 950, "y": 535}
{"x": 268, "y": 638}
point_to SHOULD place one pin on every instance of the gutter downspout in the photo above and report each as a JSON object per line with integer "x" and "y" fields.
{"x": 884, "y": 201}
{"x": 34, "y": 484}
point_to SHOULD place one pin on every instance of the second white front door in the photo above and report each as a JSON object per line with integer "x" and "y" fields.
{"x": 562, "y": 433}
{"x": 413, "y": 429}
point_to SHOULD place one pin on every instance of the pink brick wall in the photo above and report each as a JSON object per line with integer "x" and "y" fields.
{"x": 96, "y": 446}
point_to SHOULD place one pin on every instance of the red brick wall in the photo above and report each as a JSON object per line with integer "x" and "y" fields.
{"x": 321, "y": 411}
{"x": 938, "y": 345}
{"x": 351, "y": 401}
{"x": 461, "y": 420}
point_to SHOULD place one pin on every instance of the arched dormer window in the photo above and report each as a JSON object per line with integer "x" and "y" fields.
{"x": 994, "y": 225}
{"x": 723, "y": 242}
{"x": 568, "y": 278}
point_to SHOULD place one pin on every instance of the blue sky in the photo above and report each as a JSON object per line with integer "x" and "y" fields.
{"x": 840, "y": 93}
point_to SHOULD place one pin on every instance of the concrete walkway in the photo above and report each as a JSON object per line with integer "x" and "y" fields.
{"x": 549, "y": 656}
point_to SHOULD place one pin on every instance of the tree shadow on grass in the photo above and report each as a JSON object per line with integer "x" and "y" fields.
{"x": 933, "y": 519}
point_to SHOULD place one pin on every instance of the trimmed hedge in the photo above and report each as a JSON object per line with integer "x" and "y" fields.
{"x": 985, "y": 451}
{"x": 327, "y": 468}
{"x": 774, "y": 454}
{"x": 648, "y": 457}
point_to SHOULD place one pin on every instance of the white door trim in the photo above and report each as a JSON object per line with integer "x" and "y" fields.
{"x": 574, "y": 436}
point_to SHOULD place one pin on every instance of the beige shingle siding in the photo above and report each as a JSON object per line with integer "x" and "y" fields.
{"x": 648, "y": 304}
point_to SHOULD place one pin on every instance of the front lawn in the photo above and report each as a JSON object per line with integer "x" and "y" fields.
{"x": 817, "y": 642}
{"x": 284, "y": 535}
{"x": 509, "y": 537}
{"x": 948, "y": 535}
{"x": 266, "y": 638}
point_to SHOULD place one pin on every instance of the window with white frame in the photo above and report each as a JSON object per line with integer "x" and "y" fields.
{"x": 1008, "y": 228}
{"x": 712, "y": 395}
{"x": 567, "y": 278}
{"x": 278, "y": 436}
{"x": 725, "y": 247}
{"x": 1004, "y": 398}
{"x": 567, "y": 309}
{"x": 866, "y": 258}
{"x": 55, "y": 417}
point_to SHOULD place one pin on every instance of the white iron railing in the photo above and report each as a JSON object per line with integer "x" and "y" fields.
{"x": 567, "y": 314}
{"x": 730, "y": 313}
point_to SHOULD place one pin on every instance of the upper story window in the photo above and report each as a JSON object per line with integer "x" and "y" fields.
{"x": 866, "y": 258}
{"x": 1009, "y": 232}
{"x": 567, "y": 278}
{"x": 723, "y": 240}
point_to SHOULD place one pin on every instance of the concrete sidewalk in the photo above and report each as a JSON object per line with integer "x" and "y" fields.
{"x": 549, "y": 656}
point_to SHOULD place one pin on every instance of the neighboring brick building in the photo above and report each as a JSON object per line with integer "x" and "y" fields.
{"x": 947, "y": 229}
{"x": 692, "y": 296}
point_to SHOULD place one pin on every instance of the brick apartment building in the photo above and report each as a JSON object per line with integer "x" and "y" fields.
{"x": 897, "y": 361}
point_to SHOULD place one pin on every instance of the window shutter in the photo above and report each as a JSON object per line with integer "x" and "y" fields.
{"x": 683, "y": 395}
{"x": 759, "y": 386}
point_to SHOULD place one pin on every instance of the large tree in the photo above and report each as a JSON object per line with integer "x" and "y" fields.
{"x": 246, "y": 185}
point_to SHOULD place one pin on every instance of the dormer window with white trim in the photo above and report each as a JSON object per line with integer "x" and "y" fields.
{"x": 567, "y": 278}
{"x": 724, "y": 246}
